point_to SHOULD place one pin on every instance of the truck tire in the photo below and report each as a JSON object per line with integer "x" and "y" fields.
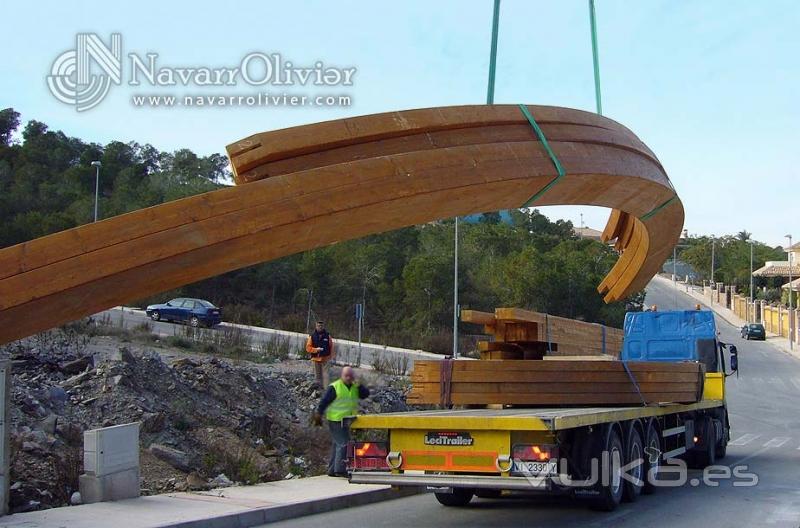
{"x": 721, "y": 449}
{"x": 610, "y": 485}
{"x": 722, "y": 445}
{"x": 634, "y": 451}
{"x": 459, "y": 497}
{"x": 706, "y": 454}
{"x": 652, "y": 459}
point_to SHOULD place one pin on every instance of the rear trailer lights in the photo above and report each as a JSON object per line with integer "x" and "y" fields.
{"x": 367, "y": 455}
{"x": 535, "y": 453}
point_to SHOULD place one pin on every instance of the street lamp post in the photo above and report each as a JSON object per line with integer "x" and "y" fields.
{"x": 455, "y": 292}
{"x": 791, "y": 312}
{"x": 96, "y": 165}
{"x": 489, "y": 100}
{"x": 713, "y": 247}
{"x": 752, "y": 307}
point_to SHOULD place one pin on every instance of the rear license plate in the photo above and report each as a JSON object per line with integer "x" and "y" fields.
{"x": 535, "y": 468}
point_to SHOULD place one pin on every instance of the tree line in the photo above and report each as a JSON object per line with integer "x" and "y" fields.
{"x": 731, "y": 262}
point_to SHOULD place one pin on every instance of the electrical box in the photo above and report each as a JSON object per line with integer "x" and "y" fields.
{"x": 111, "y": 449}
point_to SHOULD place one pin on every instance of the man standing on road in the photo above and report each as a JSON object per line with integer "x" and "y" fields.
{"x": 320, "y": 346}
{"x": 339, "y": 402}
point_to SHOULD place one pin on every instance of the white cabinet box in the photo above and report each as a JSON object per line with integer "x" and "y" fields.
{"x": 111, "y": 449}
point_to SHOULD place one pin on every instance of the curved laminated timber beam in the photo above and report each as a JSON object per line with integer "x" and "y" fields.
{"x": 314, "y": 185}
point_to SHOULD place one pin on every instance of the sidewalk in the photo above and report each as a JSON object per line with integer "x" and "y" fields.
{"x": 235, "y": 507}
{"x": 731, "y": 318}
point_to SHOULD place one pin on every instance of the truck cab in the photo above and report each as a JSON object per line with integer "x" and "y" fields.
{"x": 680, "y": 335}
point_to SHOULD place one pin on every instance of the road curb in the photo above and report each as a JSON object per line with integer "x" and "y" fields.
{"x": 270, "y": 514}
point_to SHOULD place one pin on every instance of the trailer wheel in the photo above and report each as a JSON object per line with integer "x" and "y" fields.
{"x": 634, "y": 449}
{"x": 706, "y": 455}
{"x": 721, "y": 449}
{"x": 652, "y": 459}
{"x": 459, "y": 497}
{"x": 722, "y": 446}
{"x": 610, "y": 483}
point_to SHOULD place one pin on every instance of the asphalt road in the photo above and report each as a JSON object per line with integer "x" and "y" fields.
{"x": 765, "y": 420}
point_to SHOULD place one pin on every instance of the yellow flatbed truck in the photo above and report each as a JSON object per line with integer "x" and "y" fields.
{"x": 608, "y": 454}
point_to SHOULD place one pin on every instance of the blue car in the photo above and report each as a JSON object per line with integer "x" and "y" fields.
{"x": 195, "y": 312}
{"x": 754, "y": 331}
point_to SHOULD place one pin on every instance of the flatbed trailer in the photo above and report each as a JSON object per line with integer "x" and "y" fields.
{"x": 465, "y": 452}
{"x": 608, "y": 454}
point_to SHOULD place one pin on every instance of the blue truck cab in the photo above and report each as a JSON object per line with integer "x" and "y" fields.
{"x": 680, "y": 335}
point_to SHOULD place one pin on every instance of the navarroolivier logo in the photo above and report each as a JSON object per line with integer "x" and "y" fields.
{"x": 72, "y": 79}
{"x": 82, "y": 77}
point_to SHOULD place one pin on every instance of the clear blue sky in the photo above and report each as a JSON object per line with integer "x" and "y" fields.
{"x": 710, "y": 86}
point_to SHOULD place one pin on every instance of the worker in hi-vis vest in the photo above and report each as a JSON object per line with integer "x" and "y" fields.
{"x": 339, "y": 402}
{"x": 319, "y": 346}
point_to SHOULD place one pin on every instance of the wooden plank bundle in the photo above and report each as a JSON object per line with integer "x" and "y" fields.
{"x": 523, "y": 334}
{"x": 314, "y": 185}
{"x": 534, "y": 383}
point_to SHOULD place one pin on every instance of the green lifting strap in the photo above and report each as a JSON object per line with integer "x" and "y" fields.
{"x": 657, "y": 209}
{"x": 550, "y": 153}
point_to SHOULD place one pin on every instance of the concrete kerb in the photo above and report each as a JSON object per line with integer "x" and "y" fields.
{"x": 237, "y": 507}
{"x": 270, "y": 514}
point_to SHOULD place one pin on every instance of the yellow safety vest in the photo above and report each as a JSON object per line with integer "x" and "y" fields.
{"x": 345, "y": 404}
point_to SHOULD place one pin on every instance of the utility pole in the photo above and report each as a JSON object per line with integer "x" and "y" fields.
{"x": 489, "y": 100}
{"x": 713, "y": 246}
{"x": 792, "y": 322}
{"x": 674, "y": 265}
{"x": 308, "y": 314}
{"x": 751, "y": 282}
{"x": 360, "y": 319}
{"x": 455, "y": 293}
{"x": 96, "y": 165}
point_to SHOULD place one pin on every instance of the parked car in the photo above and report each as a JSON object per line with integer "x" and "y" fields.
{"x": 754, "y": 331}
{"x": 195, "y": 312}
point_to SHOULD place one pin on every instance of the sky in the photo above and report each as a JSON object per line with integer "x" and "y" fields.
{"x": 711, "y": 86}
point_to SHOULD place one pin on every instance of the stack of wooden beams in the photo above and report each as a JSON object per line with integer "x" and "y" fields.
{"x": 522, "y": 334}
{"x": 314, "y": 185}
{"x": 533, "y": 383}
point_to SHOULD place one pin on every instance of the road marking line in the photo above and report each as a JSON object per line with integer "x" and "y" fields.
{"x": 758, "y": 380}
{"x": 786, "y": 513}
{"x": 779, "y": 381}
{"x": 777, "y": 441}
{"x": 745, "y": 439}
{"x": 796, "y": 383}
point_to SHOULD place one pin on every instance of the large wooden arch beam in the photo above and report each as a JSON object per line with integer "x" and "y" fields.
{"x": 315, "y": 185}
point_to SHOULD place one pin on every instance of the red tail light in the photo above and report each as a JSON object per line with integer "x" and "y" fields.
{"x": 538, "y": 453}
{"x": 371, "y": 449}
{"x": 367, "y": 455}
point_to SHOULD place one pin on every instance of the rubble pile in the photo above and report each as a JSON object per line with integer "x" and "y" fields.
{"x": 205, "y": 422}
